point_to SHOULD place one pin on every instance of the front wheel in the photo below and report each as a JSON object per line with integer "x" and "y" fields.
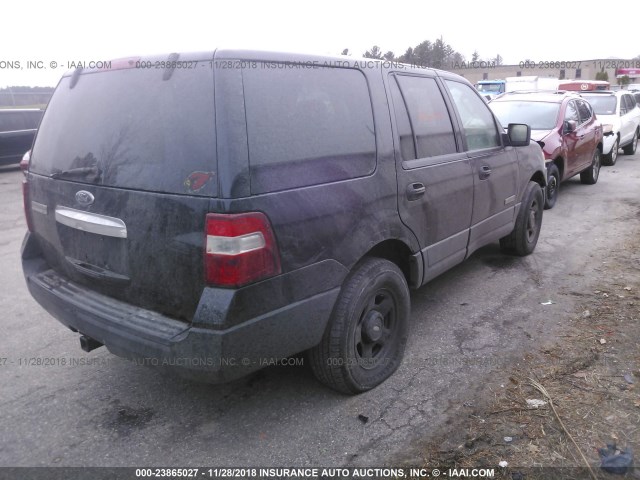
{"x": 590, "y": 175}
{"x": 631, "y": 148}
{"x": 524, "y": 237}
{"x": 553, "y": 186}
{"x": 367, "y": 332}
{"x": 611, "y": 157}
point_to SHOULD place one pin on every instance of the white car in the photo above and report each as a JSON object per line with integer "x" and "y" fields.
{"x": 620, "y": 117}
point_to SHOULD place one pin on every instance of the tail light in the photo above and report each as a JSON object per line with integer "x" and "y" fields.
{"x": 239, "y": 249}
{"x": 26, "y": 200}
{"x": 24, "y": 163}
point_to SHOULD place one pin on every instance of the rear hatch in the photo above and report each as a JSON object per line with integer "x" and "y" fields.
{"x": 121, "y": 176}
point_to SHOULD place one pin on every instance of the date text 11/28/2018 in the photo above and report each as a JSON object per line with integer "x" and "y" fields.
{"x": 305, "y": 473}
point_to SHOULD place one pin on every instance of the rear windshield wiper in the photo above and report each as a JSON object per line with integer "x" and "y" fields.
{"x": 79, "y": 171}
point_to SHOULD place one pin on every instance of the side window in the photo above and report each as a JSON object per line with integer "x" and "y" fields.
{"x": 11, "y": 121}
{"x": 571, "y": 113}
{"x": 477, "y": 120}
{"x": 429, "y": 116}
{"x": 584, "y": 111}
{"x": 307, "y": 126}
{"x": 623, "y": 105}
{"x": 407, "y": 145}
{"x": 630, "y": 102}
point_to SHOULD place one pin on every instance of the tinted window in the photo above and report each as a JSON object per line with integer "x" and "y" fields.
{"x": 624, "y": 105}
{"x": 10, "y": 121}
{"x": 132, "y": 129}
{"x": 477, "y": 121}
{"x": 630, "y": 102}
{"x": 584, "y": 111}
{"x": 429, "y": 116}
{"x": 407, "y": 145}
{"x": 307, "y": 126}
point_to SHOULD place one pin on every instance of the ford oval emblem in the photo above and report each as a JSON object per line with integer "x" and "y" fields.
{"x": 84, "y": 198}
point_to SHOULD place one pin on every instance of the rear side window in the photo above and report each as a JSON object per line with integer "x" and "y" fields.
{"x": 407, "y": 145}
{"x": 307, "y": 126}
{"x": 477, "y": 120}
{"x": 131, "y": 129}
{"x": 429, "y": 116}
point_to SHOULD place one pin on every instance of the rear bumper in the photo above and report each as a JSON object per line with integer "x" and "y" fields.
{"x": 196, "y": 352}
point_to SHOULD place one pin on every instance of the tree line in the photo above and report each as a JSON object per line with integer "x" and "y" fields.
{"x": 437, "y": 54}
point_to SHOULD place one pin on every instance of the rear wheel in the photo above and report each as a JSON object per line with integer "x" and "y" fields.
{"x": 631, "y": 148}
{"x": 553, "y": 186}
{"x": 367, "y": 333}
{"x": 524, "y": 237}
{"x": 611, "y": 157}
{"x": 590, "y": 175}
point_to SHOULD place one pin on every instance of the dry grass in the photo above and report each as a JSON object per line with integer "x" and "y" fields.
{"x": 585, "y": 378}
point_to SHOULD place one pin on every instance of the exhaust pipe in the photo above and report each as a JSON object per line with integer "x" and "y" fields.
{"x": 87, "y": 343}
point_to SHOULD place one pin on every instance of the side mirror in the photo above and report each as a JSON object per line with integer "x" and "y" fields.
{"x": 518, "y": 135}
{"x": 570, "y": 126}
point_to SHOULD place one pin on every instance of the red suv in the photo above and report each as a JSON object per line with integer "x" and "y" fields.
{"x": 565, "y": 127}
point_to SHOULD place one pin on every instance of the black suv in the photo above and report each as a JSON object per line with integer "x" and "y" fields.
{"x": 17, "y": 129}
{"x": 214, "y": 213}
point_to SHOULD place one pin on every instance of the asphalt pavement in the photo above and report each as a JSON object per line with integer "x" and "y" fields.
{"x": 60, "y": 406}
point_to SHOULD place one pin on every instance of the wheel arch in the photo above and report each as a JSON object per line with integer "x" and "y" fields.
{"x": 540, "y": 179}
{"x": 559, "y": 162}
{"x": 399, "y": 253}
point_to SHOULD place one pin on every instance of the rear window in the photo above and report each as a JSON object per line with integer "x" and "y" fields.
{"x": 307, "y": 126}
{"x": 538, "y": 115}
{"x": 132, "y": 129}
{"x": 602, "y": 104}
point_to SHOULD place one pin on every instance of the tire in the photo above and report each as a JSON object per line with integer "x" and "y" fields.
{"x": 611, "y": 157}
{"x": 590, "y": 175}
{"x": 524, "y": 237}
{"x": 366, "y": 336}
{"x": 553, "y": 186}
{"x": 631, "y": 148}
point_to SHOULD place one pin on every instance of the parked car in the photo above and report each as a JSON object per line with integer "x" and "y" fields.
{"x": 216, "y": 220}
{"x": 17, "y": 130}
{"x": 565, "y": 127}
{"x": 619, "y": 115}
{"x": 490, "y": 88}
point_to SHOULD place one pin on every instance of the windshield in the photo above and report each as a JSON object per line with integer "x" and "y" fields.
{"x": 603, "y": 104}
{"x": 489, "y": 87}
{"x": 538, "y": 115}
{"x": 130, "y": 128}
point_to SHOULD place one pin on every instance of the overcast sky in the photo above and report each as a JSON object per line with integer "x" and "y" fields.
{"x": 66, "y": 30}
